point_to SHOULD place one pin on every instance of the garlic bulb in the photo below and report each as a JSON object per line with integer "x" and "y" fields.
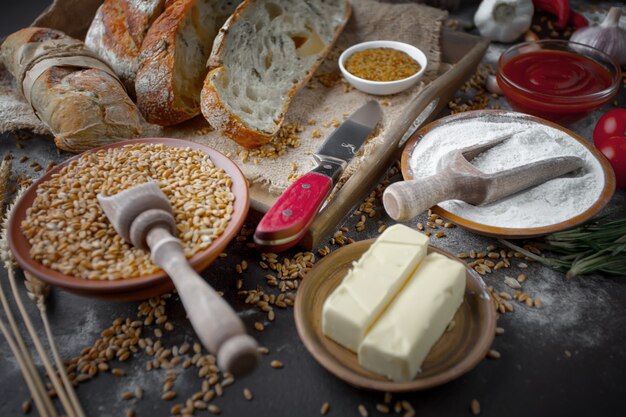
{"x": 607, "y": 36}
{"x": 504, "y": 20}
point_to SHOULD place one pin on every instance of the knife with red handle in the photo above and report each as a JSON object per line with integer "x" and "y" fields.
{"x": 286, "y": 222}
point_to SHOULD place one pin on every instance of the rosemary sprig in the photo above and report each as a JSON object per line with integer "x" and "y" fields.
{"x": 599, "y": 246}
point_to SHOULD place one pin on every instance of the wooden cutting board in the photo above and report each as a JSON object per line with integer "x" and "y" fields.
{"x": 461, "y": 54}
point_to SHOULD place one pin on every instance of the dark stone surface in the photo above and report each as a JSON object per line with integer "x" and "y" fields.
{"x": 535, "y": 376}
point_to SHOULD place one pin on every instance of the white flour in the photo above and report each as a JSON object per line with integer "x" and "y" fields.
{"x": 552, "y": 202}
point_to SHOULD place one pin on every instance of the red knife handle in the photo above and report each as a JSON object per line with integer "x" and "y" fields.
{"x": 289, "y": 218}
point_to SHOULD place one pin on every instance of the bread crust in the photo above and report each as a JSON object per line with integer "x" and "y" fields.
{"x": 117, "y": 32}
{"x": 156, "y": 93}
{"x": 15, "y": 41}
{"x": 140, "y": 15}
{"x": 82, "y": 121}
{"x": 219, "y": 115}
{"x": 83, "y": 107}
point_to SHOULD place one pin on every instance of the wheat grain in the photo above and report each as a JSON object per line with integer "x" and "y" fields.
{"x": 69, "y": 232}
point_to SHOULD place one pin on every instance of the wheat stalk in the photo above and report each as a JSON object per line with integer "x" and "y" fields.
{"x": 16, "y": 342}
{"x": 39, "y": 395}
{"x": 37, "y": 291}
{"x": 5, "y": 176}
{"x": 9, "y": 263}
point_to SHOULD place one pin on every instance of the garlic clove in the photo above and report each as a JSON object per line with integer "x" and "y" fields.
{"x": 491, "y": 84}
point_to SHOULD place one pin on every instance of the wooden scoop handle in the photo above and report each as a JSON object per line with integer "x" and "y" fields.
{"x": 217, "y": 325}
{"x": 406, "y": 199}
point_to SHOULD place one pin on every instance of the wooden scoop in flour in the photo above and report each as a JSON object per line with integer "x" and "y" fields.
{"x": 458, "y": 179}
{"x": 143, "y": 216}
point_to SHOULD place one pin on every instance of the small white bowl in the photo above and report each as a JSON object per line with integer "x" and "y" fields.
{"x": 382, "y": 88}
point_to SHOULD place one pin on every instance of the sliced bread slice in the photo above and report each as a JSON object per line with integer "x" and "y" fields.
{"x": 265, "y": 52}
{"x": 173, "y": 59}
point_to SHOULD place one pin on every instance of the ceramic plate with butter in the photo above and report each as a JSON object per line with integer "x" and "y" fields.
{"x": 455, "y": 353}
{"x": 557, "y": 204}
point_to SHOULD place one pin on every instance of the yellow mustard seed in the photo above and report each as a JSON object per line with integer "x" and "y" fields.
{"x": 381, "y": 64}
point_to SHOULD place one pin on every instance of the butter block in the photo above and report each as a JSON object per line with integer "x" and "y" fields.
{"x": 370, "y": 285}
{"x": 399, "y": 341}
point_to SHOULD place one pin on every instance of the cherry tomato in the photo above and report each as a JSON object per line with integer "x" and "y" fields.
{"x": 612, "y": 123}
{"x": 614, "y": 148}
{"x": 609, "y": 136}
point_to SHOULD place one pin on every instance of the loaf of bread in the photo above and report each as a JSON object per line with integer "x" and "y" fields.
{"x": 173, "y": 59}
{"x": 117, "y": 32}
{"x": 76, "y": 94}
{"x": 264, "y": 53}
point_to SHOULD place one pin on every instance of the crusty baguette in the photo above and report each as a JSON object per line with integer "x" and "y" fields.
{"x": 83, "y": 107}
{"x": 117, "y": 32}
{"x": 265, "y": 52}
{"x": 173, "y": 59}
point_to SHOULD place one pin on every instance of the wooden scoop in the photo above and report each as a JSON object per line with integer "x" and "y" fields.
{"x": 458, "y": 179}
{"x": 143, "y": 216}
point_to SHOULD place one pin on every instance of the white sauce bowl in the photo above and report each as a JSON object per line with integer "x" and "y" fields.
{"x": 382, "y": 88}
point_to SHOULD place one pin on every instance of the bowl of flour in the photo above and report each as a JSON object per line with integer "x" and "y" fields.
{"x": 557, "y": 204}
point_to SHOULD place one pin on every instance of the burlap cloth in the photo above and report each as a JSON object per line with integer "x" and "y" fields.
{"x": 316, "y": 109}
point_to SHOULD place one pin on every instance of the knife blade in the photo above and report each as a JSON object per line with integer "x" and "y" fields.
{"x": 286, "y": 222}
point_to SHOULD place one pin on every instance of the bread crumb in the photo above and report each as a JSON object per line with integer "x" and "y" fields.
{"x": 287, "y": 137}
{"x": 329, "y": 79}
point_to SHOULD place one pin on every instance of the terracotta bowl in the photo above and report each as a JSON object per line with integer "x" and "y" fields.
{"x": 513, "y": 233}
{"x": 455, "y": 353}
{"x": 140, "y": 287}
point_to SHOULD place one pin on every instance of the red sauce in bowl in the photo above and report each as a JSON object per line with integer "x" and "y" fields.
{"x": 557, "y": 72}
{"x": 559, "y": 85}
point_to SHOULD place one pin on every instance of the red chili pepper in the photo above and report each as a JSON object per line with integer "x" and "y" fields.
{"x": 559, "y": 8}
{"x": 578, "y": 20}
